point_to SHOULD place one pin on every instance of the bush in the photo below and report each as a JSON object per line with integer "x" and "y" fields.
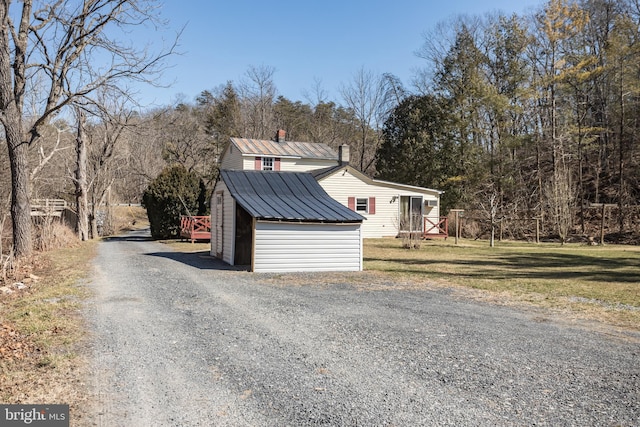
{"x": 173, "y": 193}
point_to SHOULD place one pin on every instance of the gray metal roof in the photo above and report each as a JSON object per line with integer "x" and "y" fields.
{"x": 285, "y": 196}
{"x": 305, "y": 150}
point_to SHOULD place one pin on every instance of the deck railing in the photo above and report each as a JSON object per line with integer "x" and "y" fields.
{"x": 195, "y": 227}
{"x": 438, "y": 229}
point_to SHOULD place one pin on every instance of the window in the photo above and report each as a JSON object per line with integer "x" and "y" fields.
{"x": 411, "y": 213}
{"x": 267, "y": 163}
{"x": 365, "y": 205}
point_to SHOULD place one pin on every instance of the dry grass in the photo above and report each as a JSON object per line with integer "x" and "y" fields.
{"x": 43, "y": 330}
{"x": 186, "y": 246}
{"x": 129, "y": 218}
{"x": 594, "y": 282}
{"x": 50, "y": 234}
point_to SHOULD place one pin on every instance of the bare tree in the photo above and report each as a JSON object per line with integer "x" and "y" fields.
{"x": 98, "y": 161}
{"x": 186, "y": 142}
{"x": 259, "y": 94}
{"x": 143, "y": 153}
{"x": 67, "y": 49}
{"x": 561, "y": 196}
{"x": 49, "y": 157}
{"x": 367, "y": 96}
{"x": 489, "y": 204}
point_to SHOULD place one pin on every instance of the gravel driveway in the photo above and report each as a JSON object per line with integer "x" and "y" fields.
{"x": 183, "y": 340}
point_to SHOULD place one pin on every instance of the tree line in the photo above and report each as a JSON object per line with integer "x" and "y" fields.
{"x": 512, "y": 116}
{"x": 527, "y": 116}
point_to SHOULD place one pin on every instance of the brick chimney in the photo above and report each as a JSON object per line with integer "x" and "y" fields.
{"x": 281, "y": 135}
{"x": 343, "y": 155}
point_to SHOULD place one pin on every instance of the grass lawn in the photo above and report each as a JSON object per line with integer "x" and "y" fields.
{"x": 598, "y": 281}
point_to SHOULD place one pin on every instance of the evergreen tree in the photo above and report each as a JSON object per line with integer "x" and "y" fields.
{"x": 173, "y": 193}
{"x": 418, "y": 147}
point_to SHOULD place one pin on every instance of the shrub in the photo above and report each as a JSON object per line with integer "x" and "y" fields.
{"x": 173, "y": 193}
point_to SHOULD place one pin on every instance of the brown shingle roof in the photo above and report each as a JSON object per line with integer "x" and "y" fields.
{"x": 306, "y": 150}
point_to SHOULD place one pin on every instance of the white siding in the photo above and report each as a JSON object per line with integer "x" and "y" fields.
{"x": 289, "y": 165}
{"x": 248, "y": 163}
{"x": 306, "y": 165}
{"x": 384, "y": 223}
{"x": 228, "y": 222}
{"x": 287, "y": 247}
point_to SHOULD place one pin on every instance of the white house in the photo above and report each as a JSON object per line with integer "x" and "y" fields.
{"x": 390, "y": 208}
{"x": 274, "y": 221}
{"x": 276, "y": 155}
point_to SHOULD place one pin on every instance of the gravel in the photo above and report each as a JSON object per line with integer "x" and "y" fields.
{"x": 184, "y": 340}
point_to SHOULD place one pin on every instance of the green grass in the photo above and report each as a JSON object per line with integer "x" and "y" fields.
{"x": 578, "y": 277}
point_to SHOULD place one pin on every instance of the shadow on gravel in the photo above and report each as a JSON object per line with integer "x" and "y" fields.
{"x": 141, "y": 235}
{"x": 201, "y": 260}
{"x": 128, "y": 238}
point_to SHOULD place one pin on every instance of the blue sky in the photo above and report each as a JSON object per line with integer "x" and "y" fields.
{"x": 303, "y": 41}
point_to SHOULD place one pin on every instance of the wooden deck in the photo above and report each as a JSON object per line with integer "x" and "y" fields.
{"x": 430, "y": 229}
{"x": 195, "y": 227}
{"x": 439, "y": 230}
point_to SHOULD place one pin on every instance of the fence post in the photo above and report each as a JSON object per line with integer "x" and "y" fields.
{"x": 602, "y": 221}
{"x": 457, "y": 212}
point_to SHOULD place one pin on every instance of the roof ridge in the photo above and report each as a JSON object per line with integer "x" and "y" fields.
{"x": 302, "y": 149}
{"x": 288, "y": 196}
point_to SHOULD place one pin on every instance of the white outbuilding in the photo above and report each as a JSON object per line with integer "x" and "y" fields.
{"x": 274, "y": 221}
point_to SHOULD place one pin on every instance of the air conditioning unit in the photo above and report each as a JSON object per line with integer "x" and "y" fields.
{"x": 432, "y": 203}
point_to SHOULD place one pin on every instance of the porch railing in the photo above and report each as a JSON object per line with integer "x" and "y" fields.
{"x": 195, "y": 227}
{"x": 433, "y": 228}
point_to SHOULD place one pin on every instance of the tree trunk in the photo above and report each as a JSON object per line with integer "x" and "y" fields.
{"x": 93, "y": 221}
{"x": 20, "y": 194}
{"x": 81, "y": 180}
{"x": 12, "y": 123}
{"x": 621, "y": 158}
{"x": 492, "y": 239}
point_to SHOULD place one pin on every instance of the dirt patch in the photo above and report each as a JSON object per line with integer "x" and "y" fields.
{"x": 15, "y": 345}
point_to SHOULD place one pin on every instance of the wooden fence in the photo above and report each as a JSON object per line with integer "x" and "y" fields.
{"x": 48, "y": 207}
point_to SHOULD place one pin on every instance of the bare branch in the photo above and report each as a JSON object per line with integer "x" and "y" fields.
{"x": 45, "y": 158}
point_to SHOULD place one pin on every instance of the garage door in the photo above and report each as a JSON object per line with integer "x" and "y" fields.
{"x": 283, "y": 246}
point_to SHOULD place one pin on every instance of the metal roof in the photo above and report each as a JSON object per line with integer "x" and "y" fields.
{"x": 306, "y": 150}
{"x": 285, "y": 196}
